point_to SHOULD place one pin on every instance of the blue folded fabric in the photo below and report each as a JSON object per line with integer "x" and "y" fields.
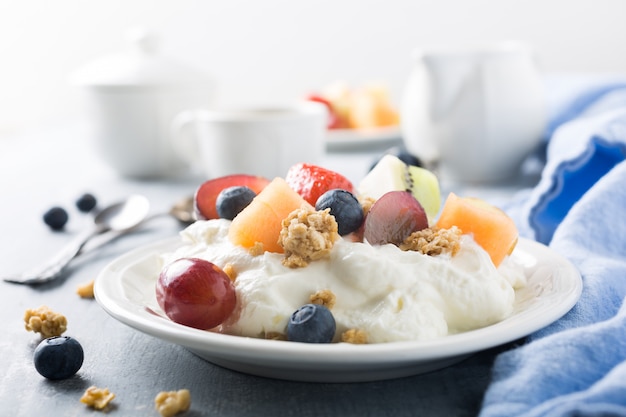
{"x": 587, "y": 138}
{"x": 572, "y": 96}
{"x": 577, "y": 365}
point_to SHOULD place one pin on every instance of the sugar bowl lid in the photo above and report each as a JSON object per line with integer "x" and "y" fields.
{"x": 140, "y": 65}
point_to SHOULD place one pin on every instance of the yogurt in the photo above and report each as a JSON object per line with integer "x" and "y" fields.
{"x": 390, "y": 294}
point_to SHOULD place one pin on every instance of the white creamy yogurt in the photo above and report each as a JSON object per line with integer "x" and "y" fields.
{"x": 390, "y": 294}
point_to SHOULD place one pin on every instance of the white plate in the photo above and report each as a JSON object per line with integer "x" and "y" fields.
{"x": 350, "y": 139}
{"x": 125, "y": 289}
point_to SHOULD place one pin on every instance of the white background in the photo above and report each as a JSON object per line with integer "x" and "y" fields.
{"x": 277, "y": 50}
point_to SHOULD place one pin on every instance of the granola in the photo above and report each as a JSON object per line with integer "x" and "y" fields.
{"x": 434, "y": 241}
{"x": 307, "y": 236}
{"x": 45, "y": 321}
{"x": 170, "y": 403}
{"x": 98, "y": 398}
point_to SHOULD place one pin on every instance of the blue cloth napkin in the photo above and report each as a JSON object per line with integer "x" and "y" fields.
{"x": 577, "y": 365}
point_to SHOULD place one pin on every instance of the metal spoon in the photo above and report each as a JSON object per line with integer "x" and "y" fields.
{"x": 182, "y": 210}
{"x": 119, "y": 217}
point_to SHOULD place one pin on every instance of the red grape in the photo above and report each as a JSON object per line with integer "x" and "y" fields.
{"x": 393, "y": 217}
{"x": 196, "y": 293}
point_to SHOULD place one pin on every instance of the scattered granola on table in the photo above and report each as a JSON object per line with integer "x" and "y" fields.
{"x": 86, "y": 290}
{"x": 97, "y": 398}
{"x": 170, "y": 403}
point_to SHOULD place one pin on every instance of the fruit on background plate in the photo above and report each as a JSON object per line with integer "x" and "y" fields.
{"x": 334, "y": 121}
{"x": 206, "y": 194}
{"x": 311, "y": 181}
{"x": 392, "y": 174}
{"x": 368, "y": 106}
{"x": 491, "y": 227}
{"x": 261, "y": 221}
{"x": 371, "y": 108}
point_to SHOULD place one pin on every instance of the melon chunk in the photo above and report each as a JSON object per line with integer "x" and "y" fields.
{"x": 491, "y": 227}
{"x": 261, "y": 220}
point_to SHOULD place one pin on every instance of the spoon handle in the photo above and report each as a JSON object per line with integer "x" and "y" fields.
{"x": 55, "y": 265}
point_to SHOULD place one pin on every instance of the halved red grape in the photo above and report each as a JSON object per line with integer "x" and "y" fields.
{"x": 196, "y": 293}
{"x": 393, "y": 217}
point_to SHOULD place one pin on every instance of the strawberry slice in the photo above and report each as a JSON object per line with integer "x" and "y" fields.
{"x": 206, "y": 194}
{"x": 311, "y": 181}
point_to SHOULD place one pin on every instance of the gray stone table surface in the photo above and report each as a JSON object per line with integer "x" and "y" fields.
{"x": 53, "y": 167}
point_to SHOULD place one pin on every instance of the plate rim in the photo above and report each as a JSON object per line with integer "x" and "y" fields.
{"x": 356, "y": 138}
{"x": 346, "y": 354}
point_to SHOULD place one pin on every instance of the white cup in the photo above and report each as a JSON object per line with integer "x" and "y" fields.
{"x": 264, "y": 141}
{"x": 477, "y": 110}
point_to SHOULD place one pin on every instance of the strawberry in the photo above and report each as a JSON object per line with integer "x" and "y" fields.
{"x": 311, "y": 181}
{"x": 333, "y": 118}
{"x": 206, "y": 194}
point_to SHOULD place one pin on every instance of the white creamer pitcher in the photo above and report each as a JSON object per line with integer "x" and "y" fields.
{"x": 478, "y": 111}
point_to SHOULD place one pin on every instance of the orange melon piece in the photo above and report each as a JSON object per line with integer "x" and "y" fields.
{"x": 491, "y": 228}
{"x": 261, "y": 220}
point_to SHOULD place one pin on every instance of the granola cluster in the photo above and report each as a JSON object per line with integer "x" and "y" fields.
{"x": 307, "y": 236}
{"x": 257, "y": 249}
{"x": 354, "y": 336}
{"x": 97, "y": 398}
{"x": 170, "y": 403}
{"x": 324, "y": 297}
{"x": 366, "y": 204}
{"x": 229, "y": 270}
{"x": 45, "y": 321}
{"x": 86, "y": 290}
{"x": 434, "y": 241}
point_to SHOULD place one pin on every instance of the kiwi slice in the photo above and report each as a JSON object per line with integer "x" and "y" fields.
{"x": 391, "y": 174}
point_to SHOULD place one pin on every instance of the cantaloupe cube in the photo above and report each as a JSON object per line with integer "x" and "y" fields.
{"x": 261, "y": 220}
{"x": 491, "y": 228}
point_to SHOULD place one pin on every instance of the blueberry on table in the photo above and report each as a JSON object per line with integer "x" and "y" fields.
{"x": 86, "y": 202}
{"x": 232, "y": 200}
{"x": 58, "y": 357}
{"x": 56, "y": 218}
{"x": 311, "y": 323}
{"x": 345, "y": 207}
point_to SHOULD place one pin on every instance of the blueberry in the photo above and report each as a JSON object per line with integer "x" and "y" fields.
{"x": 232, "y": 200}
{"x": 345, "y": 207}
{"x": 58, "y": 357}
{"x": 56, "y": 218}
{"x": 402, "y": 154}
{"x": 86, "y": 202}
{"x": 311, "y": 323}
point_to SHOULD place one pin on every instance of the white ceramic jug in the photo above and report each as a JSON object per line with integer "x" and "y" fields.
{"x": 477, "y": 111}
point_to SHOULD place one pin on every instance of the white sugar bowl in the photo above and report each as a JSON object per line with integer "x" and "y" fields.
{"x": 132, "y": 98}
